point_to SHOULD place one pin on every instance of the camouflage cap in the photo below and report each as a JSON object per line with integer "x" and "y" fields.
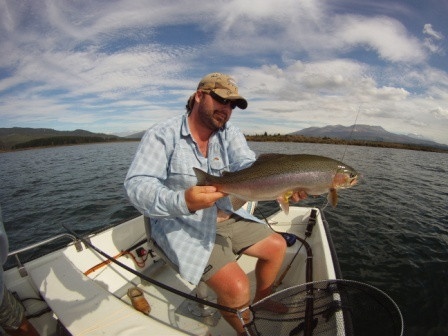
{"x": 224, "y": 86}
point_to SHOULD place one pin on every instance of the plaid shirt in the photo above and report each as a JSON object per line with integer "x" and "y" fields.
{"x": 161, "y": 172}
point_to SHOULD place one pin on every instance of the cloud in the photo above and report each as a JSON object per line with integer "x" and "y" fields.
{"x": 385, "y": 35}
{"x": 129, "y": 63}
{"x": 428, "y": 30}
{"x": 440, "y": 113}
{"x": 432, "y": 40}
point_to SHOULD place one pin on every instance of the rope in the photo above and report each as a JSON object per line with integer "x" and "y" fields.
{"x": 140, "y": 264}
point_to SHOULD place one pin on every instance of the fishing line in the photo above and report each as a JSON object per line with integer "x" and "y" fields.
{"x": 351, "y": 133}
{"x": 324, "y": 205}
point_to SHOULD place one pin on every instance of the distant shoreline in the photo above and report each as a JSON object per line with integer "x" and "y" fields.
{"x": 74, "y": 141}
{"x": 333, "y": 141}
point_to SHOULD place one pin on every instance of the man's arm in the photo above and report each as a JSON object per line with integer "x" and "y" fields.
{"x": 144, "y": 180}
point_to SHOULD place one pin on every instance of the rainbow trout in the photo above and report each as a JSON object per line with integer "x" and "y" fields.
{"x": 278, "y": 176}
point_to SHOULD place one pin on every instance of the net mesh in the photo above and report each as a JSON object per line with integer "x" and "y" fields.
{"x": 332, "y": 307}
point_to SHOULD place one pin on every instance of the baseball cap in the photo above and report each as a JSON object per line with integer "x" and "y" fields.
{"x": 224, "y": 86}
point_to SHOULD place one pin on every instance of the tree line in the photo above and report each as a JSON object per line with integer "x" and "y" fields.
{"x": 65, "y": 141}
{"x": 334, "y": 141}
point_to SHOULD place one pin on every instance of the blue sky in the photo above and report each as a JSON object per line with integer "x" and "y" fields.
{"x": 121, "y": 66}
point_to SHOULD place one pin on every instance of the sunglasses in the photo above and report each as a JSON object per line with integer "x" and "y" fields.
{"x": 221, "y": 100}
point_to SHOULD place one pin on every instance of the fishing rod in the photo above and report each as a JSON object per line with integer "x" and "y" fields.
{"x": 351, "y": 133}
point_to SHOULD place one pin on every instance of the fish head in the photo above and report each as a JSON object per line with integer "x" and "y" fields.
{"x": 345, "y": 177}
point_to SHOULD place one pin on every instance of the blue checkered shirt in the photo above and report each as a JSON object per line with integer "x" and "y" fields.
{"x": 161, "y": 172}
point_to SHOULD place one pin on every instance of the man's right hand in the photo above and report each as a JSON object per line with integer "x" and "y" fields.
{"x": 201, "y": 197}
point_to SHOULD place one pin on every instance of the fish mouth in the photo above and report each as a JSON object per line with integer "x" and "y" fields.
{"x": 353, "y": 180}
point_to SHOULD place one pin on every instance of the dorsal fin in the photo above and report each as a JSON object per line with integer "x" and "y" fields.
{"x": 268, "y": 157}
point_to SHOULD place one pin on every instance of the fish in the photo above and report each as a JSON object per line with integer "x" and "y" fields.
{"x": 278, "y": 176}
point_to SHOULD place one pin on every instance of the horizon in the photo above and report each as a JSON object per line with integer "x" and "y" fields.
{"x": 261, "y": 133}
{"x": 123, "y": 66}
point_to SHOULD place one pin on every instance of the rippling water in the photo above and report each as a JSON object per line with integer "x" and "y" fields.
{"x": 390, "y": 231}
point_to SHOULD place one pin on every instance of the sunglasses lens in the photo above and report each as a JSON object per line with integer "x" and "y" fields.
{"x": 221, "y": 100}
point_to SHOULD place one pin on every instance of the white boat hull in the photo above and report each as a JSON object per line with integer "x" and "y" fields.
{"x": 97, "y": 304}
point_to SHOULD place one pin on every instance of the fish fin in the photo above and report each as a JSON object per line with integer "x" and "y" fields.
{"x": 236, "y": 202}
{"x": 332, "y": 197}
{"x": 268, "y": 157}
{"x": 284, "y": 204}
{"x": 202, "y": 177}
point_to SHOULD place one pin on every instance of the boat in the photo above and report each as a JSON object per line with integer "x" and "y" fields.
{"x": 81, "y": 288}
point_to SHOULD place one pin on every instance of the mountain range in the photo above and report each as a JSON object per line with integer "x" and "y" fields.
{"x": 19, "y": 137}
{"x": 365, "y": 132}
{"x": 15, "y": 136}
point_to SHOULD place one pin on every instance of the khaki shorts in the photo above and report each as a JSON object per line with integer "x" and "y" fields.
{"x": 11, "y": 312}
{"x": 233, "y": 236}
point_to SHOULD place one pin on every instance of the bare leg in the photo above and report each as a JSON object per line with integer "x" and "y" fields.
{"x": 231, "y": 284}
{"x": 270, "y": 253}
{"x": 26, "y": 328}
{"x": 232, "y": 288}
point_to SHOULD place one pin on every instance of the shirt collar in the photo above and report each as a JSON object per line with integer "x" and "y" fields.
{"x": 185, "y": 130}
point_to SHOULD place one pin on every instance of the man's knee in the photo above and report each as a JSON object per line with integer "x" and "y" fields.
{"x": 231, "y": 283}
{"x": 270, "y": 249}
{"x": 279, "y": 243}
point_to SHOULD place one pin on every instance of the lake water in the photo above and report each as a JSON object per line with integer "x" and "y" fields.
{"x": 390, "y": 231}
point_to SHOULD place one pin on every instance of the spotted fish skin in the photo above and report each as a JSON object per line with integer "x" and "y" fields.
{"x": 278, "y": 176}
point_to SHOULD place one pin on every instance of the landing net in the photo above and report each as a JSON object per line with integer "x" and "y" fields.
{"x": 331, "y": 307}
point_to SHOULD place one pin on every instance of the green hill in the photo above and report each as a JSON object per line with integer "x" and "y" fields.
{"x": 21, "y": 137}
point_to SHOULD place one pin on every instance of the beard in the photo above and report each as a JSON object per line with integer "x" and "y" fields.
{"x": 211, "y": 118}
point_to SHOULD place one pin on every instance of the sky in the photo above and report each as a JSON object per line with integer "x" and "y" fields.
{"x": 121, "y": 66}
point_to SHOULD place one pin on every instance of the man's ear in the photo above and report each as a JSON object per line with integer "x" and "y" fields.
{"x": 198, "y": 96}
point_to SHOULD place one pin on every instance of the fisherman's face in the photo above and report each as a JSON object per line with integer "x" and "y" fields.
{"x": 212, "y": 113}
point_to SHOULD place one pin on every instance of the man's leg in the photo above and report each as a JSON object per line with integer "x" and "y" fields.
{"x": 12, "y": 317}
{"x": 270, "y": 253}
{"x": 232, "y": 288}
{"x": 25, "y": 328}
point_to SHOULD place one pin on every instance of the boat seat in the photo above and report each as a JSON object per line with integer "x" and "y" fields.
{"x": 81, "y": 304}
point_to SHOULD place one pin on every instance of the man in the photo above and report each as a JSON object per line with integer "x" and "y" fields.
{"x": 12, "y": 317}
{"x": 196, "y": 226}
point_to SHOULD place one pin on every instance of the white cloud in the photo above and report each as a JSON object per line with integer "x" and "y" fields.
{"x": 433, "y": 39}
{"x": 440, "y": 113}
{"x": 428, "y": 30}
{"x": 103, "y": 63}
{"x": 386, "y": 36}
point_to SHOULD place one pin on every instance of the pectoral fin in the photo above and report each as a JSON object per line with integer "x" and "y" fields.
{"x": 283, "y": 205}
{"x": 332, "y": 197}
{"x": 283, "y": 201}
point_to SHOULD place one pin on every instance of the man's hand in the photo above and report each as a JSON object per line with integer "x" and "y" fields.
{"x": 201, "y": 197}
